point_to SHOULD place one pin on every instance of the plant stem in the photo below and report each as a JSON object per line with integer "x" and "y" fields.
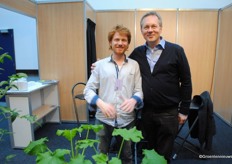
{"x": 95, "y": 150}
{"x": 119, "y": 152}
{"x": 76, "y": 150}
{"x": 87, "y": 136}
{"x": 49, "y": 150}
{"x": 71, "y": 144}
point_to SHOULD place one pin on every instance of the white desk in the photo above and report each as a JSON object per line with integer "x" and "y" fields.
{"x": 41, "y": 100}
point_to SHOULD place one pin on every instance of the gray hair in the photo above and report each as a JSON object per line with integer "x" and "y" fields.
{"x": 153, "y": 13}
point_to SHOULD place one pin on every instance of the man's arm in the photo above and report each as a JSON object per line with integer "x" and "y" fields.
{"x": 136, "y": 101}
{"x": 185, "y": 88}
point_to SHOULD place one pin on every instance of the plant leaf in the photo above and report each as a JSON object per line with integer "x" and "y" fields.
{"x": 57, "y": 157}
{"x": 95, "y": 128}
{"x": 3, "y": 83}
{"x": 9, "y": 113}
{"x": 16, "y": 76}
{"x": 150, "y": 156}
{"x": 5, "y": 110}
{"x": 5, "y": 55}
{"x": 80, "y": 159}
{"x": 132, "y": 134}
{"x": 10, "y": 157}
{"x": 68, "y": 134}
{"x": 29, "y": 118}
{"x": 100, "y": 158}
{"x": 13, "y": 114}
{"x": 4, "y": 88}
{"x": 82, "y": 144}
{"x": 115, "y": 160}
{"x": 2, "y": 133}
{"x": 36, "y": 147}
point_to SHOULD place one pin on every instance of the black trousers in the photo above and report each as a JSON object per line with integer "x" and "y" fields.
{"x": 105, "y": 138}
{"x": 160, "y": 130}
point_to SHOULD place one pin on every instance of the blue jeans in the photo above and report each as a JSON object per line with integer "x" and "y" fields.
{"x": 105, "y": 137}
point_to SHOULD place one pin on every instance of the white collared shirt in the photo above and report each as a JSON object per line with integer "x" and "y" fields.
{"x": 104, "y": 78}
{"x": 153, "y": 55}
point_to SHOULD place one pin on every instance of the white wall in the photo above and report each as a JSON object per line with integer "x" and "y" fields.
{"x": 156, "y": 4}
{"x": 25, "y": 38}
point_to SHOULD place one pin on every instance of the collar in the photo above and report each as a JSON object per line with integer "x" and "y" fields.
{"x": 112, "y": 60}
{"x": 161, "y": 44}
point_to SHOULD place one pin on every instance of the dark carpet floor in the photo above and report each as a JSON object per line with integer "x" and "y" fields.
{"x": 222, "y": 145}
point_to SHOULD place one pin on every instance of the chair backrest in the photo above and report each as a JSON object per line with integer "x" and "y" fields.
{"x": 202, "y": 107}
{"x": 195, "y": 106}
{"x": 196, "y": 102}
{"x": 77, "y": 90}
{"x": 77, "y": 93}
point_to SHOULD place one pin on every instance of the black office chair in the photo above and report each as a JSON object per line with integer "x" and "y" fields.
{"x": 201, "y": 125}
{"x": 77, "y": 94}
{"x": 193, "y": 116}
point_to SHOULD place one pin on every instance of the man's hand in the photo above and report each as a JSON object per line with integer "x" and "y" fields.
{"x": 107, "y": 109}
{"x": 182, "y": 118}
{"x": 128, "y": 105}
{"x": 93, "y": 66}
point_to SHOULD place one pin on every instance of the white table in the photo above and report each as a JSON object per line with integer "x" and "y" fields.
{"x": 40, "y": 100}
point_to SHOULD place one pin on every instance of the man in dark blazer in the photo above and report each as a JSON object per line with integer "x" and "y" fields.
{"x": 166, "y": 84}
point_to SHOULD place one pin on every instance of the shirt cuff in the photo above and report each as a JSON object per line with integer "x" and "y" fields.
{"x": 139, "y": 101}
{"x": 94, "y": 100}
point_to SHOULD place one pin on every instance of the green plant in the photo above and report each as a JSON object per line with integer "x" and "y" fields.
{"x": 5, "y": 85}
{"x": 77, "y": 151}
{"x": 6, "y": 112}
